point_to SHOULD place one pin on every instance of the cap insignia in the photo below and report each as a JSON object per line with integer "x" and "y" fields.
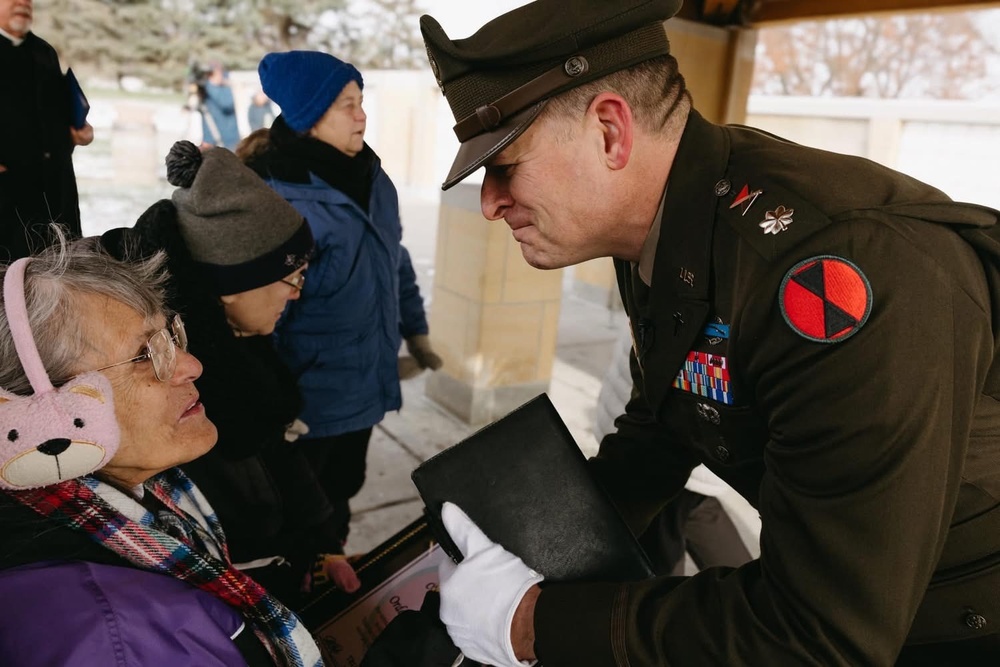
{"x": 576, "y": 66}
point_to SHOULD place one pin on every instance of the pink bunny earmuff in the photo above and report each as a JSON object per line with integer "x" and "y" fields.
{"x": 54, "y": 434}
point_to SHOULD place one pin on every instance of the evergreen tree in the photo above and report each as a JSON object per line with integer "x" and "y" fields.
{"x": 159, "y": 40}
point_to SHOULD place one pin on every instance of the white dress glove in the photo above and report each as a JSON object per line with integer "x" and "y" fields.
{"x": 480, "y": 595}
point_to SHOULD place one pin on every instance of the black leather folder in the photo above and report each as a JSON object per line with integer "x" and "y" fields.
{"x": 526, "y": 484}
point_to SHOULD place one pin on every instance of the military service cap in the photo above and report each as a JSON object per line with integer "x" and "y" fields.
{"x": 498, "y": 80}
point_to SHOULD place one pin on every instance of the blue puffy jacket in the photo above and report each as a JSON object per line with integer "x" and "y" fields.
{"x": 361, "y": 298}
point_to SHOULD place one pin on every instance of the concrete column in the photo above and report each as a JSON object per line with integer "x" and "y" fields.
{"x": 494, "y": 319}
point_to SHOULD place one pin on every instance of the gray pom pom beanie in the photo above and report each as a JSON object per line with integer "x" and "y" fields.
{"x": 239, "y": 231}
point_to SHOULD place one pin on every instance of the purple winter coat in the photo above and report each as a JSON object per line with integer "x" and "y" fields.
{"x": 97, "y": 615}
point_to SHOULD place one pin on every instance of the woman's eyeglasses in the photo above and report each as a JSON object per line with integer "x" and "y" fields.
{"x": 297, "y": 281}
{"x": 161, "y": 350}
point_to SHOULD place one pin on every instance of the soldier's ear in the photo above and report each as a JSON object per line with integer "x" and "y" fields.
{"x": 614, "y": 116}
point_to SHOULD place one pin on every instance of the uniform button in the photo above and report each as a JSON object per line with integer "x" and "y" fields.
{"x": 722, "y": 453}
{"x": 709, "y": 414}
{"x": 975, "y": 621}
{"x": 722, "y": 188}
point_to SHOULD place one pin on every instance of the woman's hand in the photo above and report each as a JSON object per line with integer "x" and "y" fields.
{"x": 332, "y": 568}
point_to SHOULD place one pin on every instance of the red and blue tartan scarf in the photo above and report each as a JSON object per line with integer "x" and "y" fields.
{"x": 187, "y": 543}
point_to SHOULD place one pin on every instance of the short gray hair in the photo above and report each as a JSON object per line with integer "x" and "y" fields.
{"x": 53, "y": 282}
{"x": 655, "y": 89}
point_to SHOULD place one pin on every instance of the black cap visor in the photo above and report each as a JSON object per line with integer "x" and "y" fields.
{"x": 482, "y": 148}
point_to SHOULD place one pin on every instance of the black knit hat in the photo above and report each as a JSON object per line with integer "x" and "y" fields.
{"x": 239, "y": 231}
{"x": 498, "y": 80}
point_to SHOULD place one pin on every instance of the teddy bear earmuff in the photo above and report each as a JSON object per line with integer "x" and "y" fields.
{"x": 54, "y": 434}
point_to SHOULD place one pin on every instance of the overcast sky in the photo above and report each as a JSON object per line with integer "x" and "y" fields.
{"x": 461, "y": 18}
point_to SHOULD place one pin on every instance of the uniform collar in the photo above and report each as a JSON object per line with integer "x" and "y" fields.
{"x": 667, "y": 317}
{"x": 647, "y": 255}
{"x": 684, "y": 251}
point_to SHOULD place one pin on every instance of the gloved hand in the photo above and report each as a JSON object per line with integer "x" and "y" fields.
{"x": 295, "y": 429}
{"x": 332, "y": 568}
{"x": 480, "y": 595}
{"x": 419, "y": 347}
{"x": 408, "y": 368}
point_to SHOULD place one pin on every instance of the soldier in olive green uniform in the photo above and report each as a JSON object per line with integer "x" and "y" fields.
{"x": 818, "y": 329}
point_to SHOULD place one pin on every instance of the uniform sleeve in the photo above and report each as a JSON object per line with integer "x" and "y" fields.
{"x": 413, "y": 320}
{"x": 866, "y": 445}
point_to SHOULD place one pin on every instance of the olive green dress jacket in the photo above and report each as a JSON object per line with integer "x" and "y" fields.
{"x": 859, "y": 414}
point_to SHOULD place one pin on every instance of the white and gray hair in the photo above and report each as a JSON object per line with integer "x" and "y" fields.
{"x": 53, "y": 282}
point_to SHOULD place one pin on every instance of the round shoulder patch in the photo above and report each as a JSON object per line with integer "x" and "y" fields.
{"x": 825, "y": 299}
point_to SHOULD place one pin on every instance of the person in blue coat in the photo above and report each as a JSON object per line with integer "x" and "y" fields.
{"x": 361, "y": 301}
{"x": 218, "y": 111}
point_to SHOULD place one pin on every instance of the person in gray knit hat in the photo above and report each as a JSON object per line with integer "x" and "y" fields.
{"x": 237, "y": 253}
{"x": 241, "y": 236}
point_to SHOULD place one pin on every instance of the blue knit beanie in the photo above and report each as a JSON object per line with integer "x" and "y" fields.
{"x": 305, "y": 84}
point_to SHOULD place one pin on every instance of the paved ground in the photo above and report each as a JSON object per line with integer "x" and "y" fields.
{"x": 421, "y": 428}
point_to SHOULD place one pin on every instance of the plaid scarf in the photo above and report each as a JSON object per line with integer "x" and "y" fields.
{"x": 185, "y": 542}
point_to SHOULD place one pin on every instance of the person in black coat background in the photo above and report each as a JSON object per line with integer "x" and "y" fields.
{"x": 37, "y": 181}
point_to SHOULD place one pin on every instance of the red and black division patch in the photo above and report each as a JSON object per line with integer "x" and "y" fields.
{"x": 825, "y": 299}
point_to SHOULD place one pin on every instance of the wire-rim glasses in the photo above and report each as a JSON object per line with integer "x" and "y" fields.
{"x": 161, "y": 350}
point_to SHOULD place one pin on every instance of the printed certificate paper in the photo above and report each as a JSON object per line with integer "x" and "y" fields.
{"x": 395, "y": 577}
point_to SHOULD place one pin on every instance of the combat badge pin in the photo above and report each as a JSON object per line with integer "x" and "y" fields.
{"x": 746, "y": 198}
{"x": 825, "y": 299}
{"x": 777, "y": 221}
{"x": 716, "y": 332}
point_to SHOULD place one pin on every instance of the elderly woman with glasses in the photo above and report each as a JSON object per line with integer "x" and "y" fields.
{"x": 237, "y": 253}
{"x": 110, "y": 555}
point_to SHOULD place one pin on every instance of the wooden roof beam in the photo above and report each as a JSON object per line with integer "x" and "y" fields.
{"x": 772, "y": 11}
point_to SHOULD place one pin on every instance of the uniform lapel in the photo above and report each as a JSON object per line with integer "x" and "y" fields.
{"x": 678, "y": 299}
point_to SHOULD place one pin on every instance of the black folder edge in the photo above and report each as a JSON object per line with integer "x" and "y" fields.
{"x": 432, "y": 512}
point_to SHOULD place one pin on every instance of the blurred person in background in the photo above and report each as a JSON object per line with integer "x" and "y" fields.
{"x": 37, "y": 181}
{"x": 260, "y": 113}
{"x": 212, "y": 97}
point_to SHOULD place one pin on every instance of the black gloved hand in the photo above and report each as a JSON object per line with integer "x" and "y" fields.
{"x": 419, "y": 347}
{"x": 416, "y": 639}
